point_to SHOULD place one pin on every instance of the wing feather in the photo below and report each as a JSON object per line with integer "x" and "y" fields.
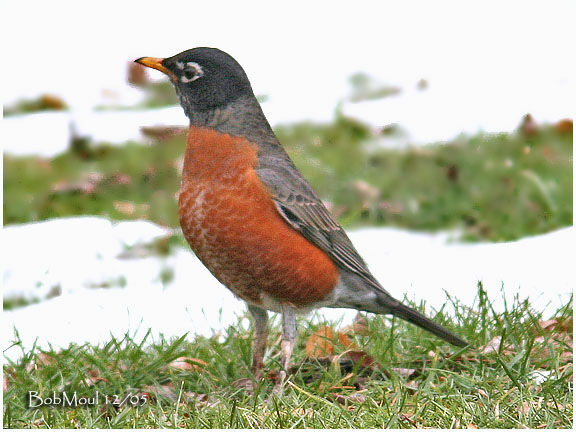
{"x": 305, "y": 212}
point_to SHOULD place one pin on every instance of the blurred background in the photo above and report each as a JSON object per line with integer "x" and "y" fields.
{"x": 440, "y": 126}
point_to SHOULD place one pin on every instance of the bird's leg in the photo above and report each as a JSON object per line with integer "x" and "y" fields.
{"x": 260, "y": 321}
{"x": 288, "y": 338}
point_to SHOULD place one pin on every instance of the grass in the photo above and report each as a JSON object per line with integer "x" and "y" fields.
{"x": 490, "y": 187}
{"x": 414, "y": 381}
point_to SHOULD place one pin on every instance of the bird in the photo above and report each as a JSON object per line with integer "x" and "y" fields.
{"x": 251, "y": 217}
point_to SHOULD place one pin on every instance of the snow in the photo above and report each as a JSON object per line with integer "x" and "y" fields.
{"x": 83, "y": 255}
{"x": 47, "y": 134}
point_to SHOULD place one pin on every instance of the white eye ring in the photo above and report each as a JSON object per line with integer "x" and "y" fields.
{"x": 198, "y": 72}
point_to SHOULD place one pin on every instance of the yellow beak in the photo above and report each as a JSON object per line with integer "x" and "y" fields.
{"x": 155, "y": 63}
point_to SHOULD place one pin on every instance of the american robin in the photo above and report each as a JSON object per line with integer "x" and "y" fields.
{"x": 252, "y": 218}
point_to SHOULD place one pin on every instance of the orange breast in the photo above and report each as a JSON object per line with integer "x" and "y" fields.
{"x": 231, "y": 223}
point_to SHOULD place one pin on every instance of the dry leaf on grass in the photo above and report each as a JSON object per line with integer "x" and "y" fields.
{"x": 44, "y": 359}
{"x": 494, "y": 346}
{"x": 361, "y": 357}
{"x": 562, "y": 325}
{"x": 39, "y": 423}
{"x": 552, "y": 404}
{"x": 406, "y": 373}
{"x": 412, "y": 387}
{"x": 303, "y": 412}
{"x": 346, "y": 342}
{"x": 354, "y": 398}
{"x": 244, "y": 383}
{"x": 482, "y": 393}
{"x": 525, "y": 408}
{"x": 199, "y": 399}
{"x": 41, "y": 359}
{"x": 93, "y": 378}
{"x": 187, "y": 363}
{"x": 320, "y": 343}
{"x": 166, "y": 391}
{"x": 548, "y": 324}
{"x": 408, "y": 417}
{"x": 342, "y": 387}
{"x": 359, "y": 326}
{"x": 545, "y": 347}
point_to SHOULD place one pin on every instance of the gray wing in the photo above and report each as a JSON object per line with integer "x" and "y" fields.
{"x": 304, "y": 211}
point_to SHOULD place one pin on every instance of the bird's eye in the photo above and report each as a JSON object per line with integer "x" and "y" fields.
{"x": 191, "y": 72}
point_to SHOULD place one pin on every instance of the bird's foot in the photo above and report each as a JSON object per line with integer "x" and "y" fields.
{"x": 279, "y": 384}
{"x": 248, "y": 384}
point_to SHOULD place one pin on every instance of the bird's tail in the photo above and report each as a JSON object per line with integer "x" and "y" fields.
{"x": 407, "y": 313}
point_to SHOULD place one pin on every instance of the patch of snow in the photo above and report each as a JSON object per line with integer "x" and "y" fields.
{"x": 82, "y": 254}
{"x": 69, "y": 254}
{"x": 48, "y": 134}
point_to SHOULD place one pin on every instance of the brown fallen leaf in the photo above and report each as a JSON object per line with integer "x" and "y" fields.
{"x": 482, "y": 393}
{"x": 41, "y": 359}
{"x": 342, "y": 387}
{"x": 319, "y": 344}
{"x": 244, "y": 383}
{"x": 548, "y": 324}
{"x": 354, "y": 398}
{"x": 408, "y": 417}
{"x": 90, "y": 381}
{"x": 187, "y": 363}
{"x": 358, "y": 356}
{"x": 39, "y": 422}
{"x": 494, "y": 346}
{"x": 405, "y": 373}
{"x": 303, "y": 412}
{"x": 199, "y": 399}
{"x": 525, "y": 408}
{"x": 563, "y": 325}
{"x": 552, "y": 404}
{"x": 44, "y": 359}
{"x": 93, "y": 378}
{"x": 411, "y": 386}
{"x": 346, "y": 342}
{"x": 166, "y": 391}
{"x": 471, "y": 426}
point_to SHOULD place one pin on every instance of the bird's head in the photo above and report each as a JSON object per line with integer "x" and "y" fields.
{"x": 204, "y": 78}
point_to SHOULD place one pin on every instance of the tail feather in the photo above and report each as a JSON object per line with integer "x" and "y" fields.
{"x": 413, "y": 316}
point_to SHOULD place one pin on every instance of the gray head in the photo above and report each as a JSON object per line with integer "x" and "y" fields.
{"x": 204, "y": 78}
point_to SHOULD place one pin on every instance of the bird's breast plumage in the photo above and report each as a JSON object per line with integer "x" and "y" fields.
{"x": 229, "y": 219}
